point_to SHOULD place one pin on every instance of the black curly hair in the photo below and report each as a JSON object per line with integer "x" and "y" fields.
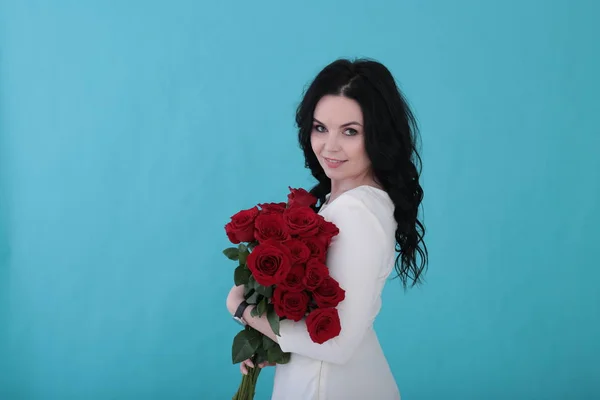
{"x": 391, "y": 136}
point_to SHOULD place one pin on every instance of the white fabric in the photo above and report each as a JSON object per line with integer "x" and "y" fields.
{"x": 361, "y": 257}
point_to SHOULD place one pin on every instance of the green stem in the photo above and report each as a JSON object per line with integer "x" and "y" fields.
{"x": 247, "y": 388}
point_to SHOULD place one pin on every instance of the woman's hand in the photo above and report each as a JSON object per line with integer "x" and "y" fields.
{"x": 261, "y": 324}
{"x": 248, "y": 363}
{"x": 234, "y": 298}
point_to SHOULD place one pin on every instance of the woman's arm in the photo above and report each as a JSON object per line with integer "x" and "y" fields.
{"x": 355, "y": 260}
{"x": 261, "y": 324}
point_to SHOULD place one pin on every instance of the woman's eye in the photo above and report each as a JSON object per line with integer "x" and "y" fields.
{"x": 350, "y": 132}
{"x": 319, "y": 128}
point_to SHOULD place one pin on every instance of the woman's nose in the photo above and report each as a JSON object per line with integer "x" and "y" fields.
{"x": 332, "y": 142}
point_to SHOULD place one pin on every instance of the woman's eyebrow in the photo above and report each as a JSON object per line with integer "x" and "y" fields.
{"x": 343, "y": 125}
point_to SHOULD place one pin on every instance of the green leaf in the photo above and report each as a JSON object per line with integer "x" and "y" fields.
{"x": 243, "y": 254}
{"x": 241, "y": 275}
{"x": 232, "y": 253}
{"x": 254, "y": 298}
{"x": 268, "y": 343}
{"x": 252, "y": 282}
{"x": 274, "y": 354}
{"x": 261, "y": 355}
{"x": 273, "y": 319}
{"x": 245, "y": 344}
{"x": 285, "y": 358}
{"x": 266, "y": 291}
{"x": 262, "y": 307}
{"x": 254, "y": 312}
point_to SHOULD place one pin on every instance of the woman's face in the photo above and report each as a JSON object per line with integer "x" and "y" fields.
{"x": 338, "y": 139}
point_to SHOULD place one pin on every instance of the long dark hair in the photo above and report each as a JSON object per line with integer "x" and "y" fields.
{"x": 391, "y": 136}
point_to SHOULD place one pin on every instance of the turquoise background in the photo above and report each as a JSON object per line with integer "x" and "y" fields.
{"x": 131, "y": 131}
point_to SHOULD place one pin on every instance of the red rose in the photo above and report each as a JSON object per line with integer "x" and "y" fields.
{"x": 302, "y": 221}
{"x": 314, "y": 275}
{"x": 329, "y": 293}
{"x": 271, "y": 226}
{"x": 327, "y": 230}
{"x": 293, "y": 282}
{"x": 300, "y": 251}
{"x": 317, "y": 248}
{"x": 241, "y": 226}
{"x": 323, "y": 324}
{"x": 272, "y": 208}
{"x": 300, "y": 197}
{"x": 292, "y": 305}
{"x": 269, "y": 262}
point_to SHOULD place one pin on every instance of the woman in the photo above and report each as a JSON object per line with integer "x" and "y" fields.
{"x": 359, "y": 141}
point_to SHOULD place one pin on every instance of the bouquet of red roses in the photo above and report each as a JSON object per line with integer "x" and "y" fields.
{"x": 281, "y": 254}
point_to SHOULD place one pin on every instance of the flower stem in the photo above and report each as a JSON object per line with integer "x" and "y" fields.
{"x": 247, "y": 387}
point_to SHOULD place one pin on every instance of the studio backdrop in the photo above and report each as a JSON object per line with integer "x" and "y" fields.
{"x": 131, "y": 131}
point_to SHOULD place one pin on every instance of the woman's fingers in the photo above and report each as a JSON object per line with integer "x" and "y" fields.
{"x": 244, "y": 366}
{"x": 266, "y": 364}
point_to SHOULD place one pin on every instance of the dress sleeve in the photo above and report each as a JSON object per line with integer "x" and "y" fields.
{"x": 355, "y": 259}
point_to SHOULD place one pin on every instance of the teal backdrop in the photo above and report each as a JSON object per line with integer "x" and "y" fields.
{"x": 131, "y": 131}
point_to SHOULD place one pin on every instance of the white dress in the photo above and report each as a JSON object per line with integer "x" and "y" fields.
{"x": 361, "y": 257}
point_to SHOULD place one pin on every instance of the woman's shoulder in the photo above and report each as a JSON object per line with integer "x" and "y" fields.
{"x": 368, "y": 197}
{"x": 364, "y": 202}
